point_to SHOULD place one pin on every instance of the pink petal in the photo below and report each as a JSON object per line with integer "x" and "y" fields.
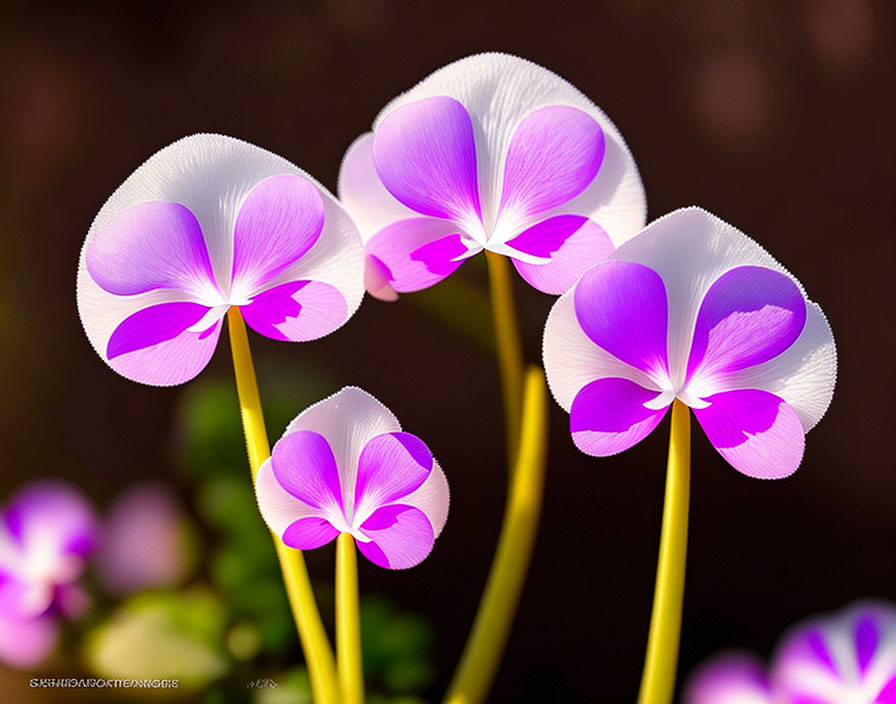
{"x": 555, "y": 152}
{"x": 304, "y": 465}
{"x": 309, "y": 533}
{"x": 391, "y": 466}
{"x": 757, "y": 432}
{"x": 609, "y": 416}
{"x": 572, "y": 242}
{"x": 416, "y": 253}
{"x": 297, "y": 311}
{"x": 149, "y": 246}
{"x": 401, "y": 537}
{"x": 24, "y": 642}
{"x": 280, "y": 220}
{"x": 425, "y": 155}
{"x": 730, "y": 678}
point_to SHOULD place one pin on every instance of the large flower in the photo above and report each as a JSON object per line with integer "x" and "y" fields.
{"x": 692, "y": 309}
{"x": 47, "y": 531}
{"x": 844, "y": 658}
{"x": 491, "y": 152}
{"x": 345, "y": 466}
{"x": 207, "y": 223}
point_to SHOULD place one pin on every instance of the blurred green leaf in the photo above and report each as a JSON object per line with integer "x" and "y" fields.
{"x": 293, "y": 687}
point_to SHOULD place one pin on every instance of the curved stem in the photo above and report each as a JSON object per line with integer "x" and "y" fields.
{"x": 487, "y": 640}
{"x": 509, "y": 347}
{"x": 348, "y": 622}
{"x": 315, "y": 644}
{"x": 661, "y": 662}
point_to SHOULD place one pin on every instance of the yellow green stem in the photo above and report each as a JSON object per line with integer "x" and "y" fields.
{"x": 315, "y": 644}
{"x": 661, "y": 662}
{"x": 482, "y": 654}
{"x": 509, "y": 347}
{"x": 348, "y": 622}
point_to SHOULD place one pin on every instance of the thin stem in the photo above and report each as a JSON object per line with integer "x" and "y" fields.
{"x": 315, "y": 644}
{"x": 348, "y": 622}
{"x": 509, "y": 348}
{"x": 661, "y": 662}
{"x": 487, "y": 640}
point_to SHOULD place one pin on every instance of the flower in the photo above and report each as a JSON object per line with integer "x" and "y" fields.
{"x": 207, "y": 223}
{"x": 490, "y": 152}
{"x": 692, "y": 309}
{"x": 843, "y": 658}
{"x": 47, "y": 532}
{"x": 344, "y": 466}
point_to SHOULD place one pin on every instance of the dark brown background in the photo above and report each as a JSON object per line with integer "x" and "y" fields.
{"x": 777, "y": 116}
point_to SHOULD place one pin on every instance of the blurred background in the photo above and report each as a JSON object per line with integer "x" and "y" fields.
{"x": 779, "y": 117}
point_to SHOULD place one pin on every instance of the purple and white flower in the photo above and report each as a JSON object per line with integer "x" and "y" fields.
{"x": 843, "y": 658}
{"x": 207, "y": 223}
{"x": 345, "y": 466}
{"x": 692, "y": 309}
{"x": 493, "y": 153}
{"x": 47, "y": 532}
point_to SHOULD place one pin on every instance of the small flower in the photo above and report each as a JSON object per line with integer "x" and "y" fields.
{"x": 344, "y": 466}
{"x": 47, "y": 531}
{"x": 490, "y": 152}
{"x": 843, "y": 658}
{"x": 207, "y": 223}
{"x": 692, "y": 309}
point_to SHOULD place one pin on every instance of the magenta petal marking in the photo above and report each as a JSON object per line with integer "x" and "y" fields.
{"x": 748, "y": 316}
{"x": 309, "y": 533}
{"x": 150, "y": 326}
{"x": 390, "y": 467}
{"x": 572, "y": 242}
{"x": 296, "y": 311}
{"x": 400, "y": 249}
{"x": 150, "y": 246}
{"x": 425, "y": 155}
{"x": 304, "y": 465}
{"x": 554, "y": 154}
{"x": 887, "y": 693}
{"x": 757, "y": 432}
{"x": 622, "y": 307}
{"x": 401, "y": 537}
{"x": 608, "y": 416}
{"x": 866, "y": 637}
{"x": 280, "y": 220}
{"x": 377, "y": 277}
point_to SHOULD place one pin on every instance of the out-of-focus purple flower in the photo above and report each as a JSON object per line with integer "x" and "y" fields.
{"x": 843, "y": 658}
{"x": 692, "y": 309}
{"x": 345, "y": 466}
{"x": 207, "y": 223}
{"x": 47, "y": 532}
{"x": 145, "y": 540}
{"x": 493, "y": 153}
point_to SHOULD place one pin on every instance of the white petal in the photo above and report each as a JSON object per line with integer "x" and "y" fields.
{"x": 278, "y": 507}
{"x": 348, "y": 420}
{"x": 690, "y": 248}
{"x": 499, "y": 90}
{"x": 572, "y": 360}
{"x": 431, "y": 497}
{"x": 363, "y": 194}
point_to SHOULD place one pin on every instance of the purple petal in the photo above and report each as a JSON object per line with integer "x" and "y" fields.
{"x": 729, "y": 678}
{"x": 391, "y": 466}
{"x": 608, "y": 416}
{"x": 425, "y": 155}
{"x": 304, "y": 465}
{"x": 280, "y": 220}
{"x": 297, "y": 311}
{"x": 309, "y": 533}
{"x": 866, "y": 636}
{"x": 401, "y": 537}
{"x": 150, "y": 246}
{"x": 51, "y": 515}
{"x": 749, "y": 315}
{"x": 554, "y": 154}
{"x": 416, "y": 253}
{"x": 154, "y": 325}
{"x": 377, "y": 278}
{"x": 622, "y": 307}
{"x": 24, "y": 642}
{"x": 757, "y": 432}
{"x": 573, "y": 244}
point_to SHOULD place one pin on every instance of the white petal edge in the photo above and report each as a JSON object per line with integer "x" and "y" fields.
{"x": 499, "y": 90}
{"x": 278, "y": 507}
{"x": 211, "y": 174}
{"x": 572, "y": 360}
{"x": 432, "y": 497}
{"x": 690, "y": 248}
